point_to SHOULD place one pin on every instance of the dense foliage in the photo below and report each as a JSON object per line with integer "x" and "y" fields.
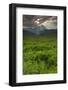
{"x": 40, "y": 54}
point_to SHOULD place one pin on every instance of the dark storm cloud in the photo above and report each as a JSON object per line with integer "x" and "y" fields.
{"x": 28, "y": 20}
{"x": 34, "y": 20}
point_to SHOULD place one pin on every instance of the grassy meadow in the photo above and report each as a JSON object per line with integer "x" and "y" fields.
{"x": 39, "y": 54}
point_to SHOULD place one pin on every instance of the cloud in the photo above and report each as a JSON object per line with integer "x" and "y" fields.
{"x": 49, "y": 22}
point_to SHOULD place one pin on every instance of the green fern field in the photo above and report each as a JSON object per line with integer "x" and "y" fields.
{"x": 39, "y": 54}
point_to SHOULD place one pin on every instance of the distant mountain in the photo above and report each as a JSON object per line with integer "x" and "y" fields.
{"x": 27, "y": 32}
{"x": 38, "y": 31}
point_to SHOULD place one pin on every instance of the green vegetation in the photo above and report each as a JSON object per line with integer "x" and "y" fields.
{"x": 40, "y": 54}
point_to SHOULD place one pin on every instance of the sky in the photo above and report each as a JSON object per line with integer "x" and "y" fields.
{"x": 49, "y": 22}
